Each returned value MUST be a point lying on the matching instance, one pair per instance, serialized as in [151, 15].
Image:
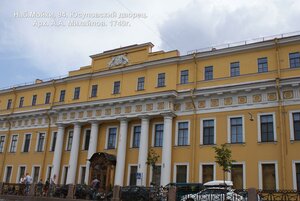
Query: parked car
[215, 191]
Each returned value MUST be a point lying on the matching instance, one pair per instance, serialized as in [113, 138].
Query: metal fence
[137, 193]
[279, 195]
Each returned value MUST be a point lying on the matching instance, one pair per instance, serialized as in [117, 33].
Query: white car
[215, 191]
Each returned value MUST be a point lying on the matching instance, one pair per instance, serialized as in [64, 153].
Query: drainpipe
[281, 111]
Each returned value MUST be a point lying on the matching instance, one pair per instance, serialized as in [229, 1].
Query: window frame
[3, 147]
[132, 135]
[154, 132]
[38, 139]
[33, 172]
[8, 105]
[291, 122]
[229, 140]
[18, 173]
[5, 173]
[294, 162]
[260, 176]
[84, 139]
[47, 98]
[233, 67]
[67, 141]
[161, 81]
[177, 132]
[290, 66]
[184, 78]
[116, 88]
[21, 102]
[129, 172]
[16, 143]
[64, 174]
[34, 100]
[259, 127]
[23, 145]
[202, 131]
[187, 169]
[262, 65]
[53, 144]
[208, 73]
[201, 164]
[47, 172]
[62, 95]
[140, 84]
[94, 90]
[151, 172]
[80, 174]
[76, 93]
[107, 135]
[243, 163]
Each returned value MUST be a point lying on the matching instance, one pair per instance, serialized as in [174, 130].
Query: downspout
[194, 143]
[48, 129]
[9, 132]
[281, 111]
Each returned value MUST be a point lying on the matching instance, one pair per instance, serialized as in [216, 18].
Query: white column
[143, 151]
[92, 148]
[121, 153]
[57, 152]
[166, 151]
[74, 155]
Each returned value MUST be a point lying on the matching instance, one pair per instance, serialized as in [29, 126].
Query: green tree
[152, 158]
[223, 158]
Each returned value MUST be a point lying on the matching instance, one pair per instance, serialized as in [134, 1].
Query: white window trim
[79, 174]
[63, 175]
[18, 173]
[52, 136]
[11, 143]
[37, 141]
[244, 172]
[229, 128]
[187, 169]
[23, 145]
[32, 172]
[46, 97]
[5, 172]
[201, 168]
[137, 84]
[131, 134]
[128, 172]
[47, 171]
[201, 129]
[107, 133]
[4, 143]
[113, 88]
[84, 135]
[294, 162]
[292, 134]
[260, 182]
[153, 132]
[259, 125]
[67, 140]
[151, 170]
[177, 131]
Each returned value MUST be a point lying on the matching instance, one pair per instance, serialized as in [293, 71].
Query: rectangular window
[294, 59]
[112, 135]
[82, 176]
[66, 169]
[236, 130]
[181, 173]
[76, 93]
[161, 80]
[13, 144]
[208, 132]
[27, 143]
[141, 83]
[207, 173]
[268, 177]
[34, 97]
[2, 141]
[296, 125]
[234, 69]
[47, 99]
[53, 143]
[132, 179]
[237, 176]
[87, 140]
[41, 140]
[156, 174]
[94, 90]
[9, 101]
[262, 64]
[158, 135]
[183, 133]
[267, 128]
[21, 172]
[8, 174]
[49, 172]
[184, 77]
[209, 74]
[21, 103]
[70, 140]
[36, 173]
[62, 95]
[136, 136]
[117, 85]
[298, 176]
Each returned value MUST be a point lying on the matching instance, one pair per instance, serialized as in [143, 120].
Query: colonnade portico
[121, 150]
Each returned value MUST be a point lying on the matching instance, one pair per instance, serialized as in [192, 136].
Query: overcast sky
[56, 38]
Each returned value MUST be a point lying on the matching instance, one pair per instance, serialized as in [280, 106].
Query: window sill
[271, 142]
[236, 143]
[115, 93]
[181, 146]
[75, 99]
[294, 141]
[110, 148]
[93, 96]
[156, 146]
[137, 90]
[160, 86]
[134, 147]
[207, 145]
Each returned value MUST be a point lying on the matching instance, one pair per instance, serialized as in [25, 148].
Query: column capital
[146, 117]
[95, 122]
[168, 115]
[123, 119]
[62, 125]
[78, 124]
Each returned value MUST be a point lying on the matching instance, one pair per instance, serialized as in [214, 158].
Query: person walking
[28, 182]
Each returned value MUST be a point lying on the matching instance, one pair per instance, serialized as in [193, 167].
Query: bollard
[116, 193]
[252, 194]
[172, 193]
[71, 192]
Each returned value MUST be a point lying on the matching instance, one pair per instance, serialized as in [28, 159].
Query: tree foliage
[152, 158]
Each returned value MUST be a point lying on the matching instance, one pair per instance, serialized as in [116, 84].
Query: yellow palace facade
[130, 100]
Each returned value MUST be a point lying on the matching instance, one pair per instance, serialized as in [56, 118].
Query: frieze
[288, 94]
[138, 108]
[272, 96]
[256, 98]
[128, 109]
[214, 102]
[202, 104]
[160, 105]
[228, 101]
[118, 110]
[242, 99]
[149, 107]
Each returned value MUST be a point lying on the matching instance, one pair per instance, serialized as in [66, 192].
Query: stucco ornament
[118, 60]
